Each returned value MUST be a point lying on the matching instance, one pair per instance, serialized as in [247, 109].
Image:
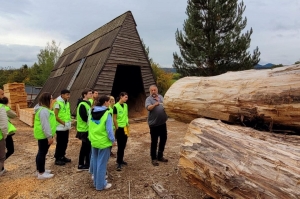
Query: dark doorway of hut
[128, 78]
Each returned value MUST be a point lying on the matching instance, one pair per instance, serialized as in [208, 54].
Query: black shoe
[59, 162]
[162, 159]
[82, 168]
[64, 159]
[124, 163]
[119, 167]
[155, 163]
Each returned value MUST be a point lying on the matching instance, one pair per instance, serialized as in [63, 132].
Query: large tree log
[239, 162]
[271, 96]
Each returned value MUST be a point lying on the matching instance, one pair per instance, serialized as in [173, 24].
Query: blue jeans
[99, 160]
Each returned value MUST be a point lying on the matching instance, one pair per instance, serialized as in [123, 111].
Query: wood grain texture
[272, 96]
[239, 162]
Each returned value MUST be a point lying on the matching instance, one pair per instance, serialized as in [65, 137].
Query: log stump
[270, 96]
[228, 161]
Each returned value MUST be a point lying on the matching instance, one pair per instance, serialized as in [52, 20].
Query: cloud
[26, 26]
[17, 55]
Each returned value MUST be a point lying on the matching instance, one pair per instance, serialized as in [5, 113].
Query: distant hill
[257, 66]
[169, 70]
[266, 66]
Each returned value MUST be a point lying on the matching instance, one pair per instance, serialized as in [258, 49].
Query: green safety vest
[11, 127]
[98, 134]
[38, 130]
[1, 134]
[64, 112]
[92, 101]
[122, 114]
[81, 125]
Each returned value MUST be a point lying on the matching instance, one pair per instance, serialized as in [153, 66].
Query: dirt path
[133, 182]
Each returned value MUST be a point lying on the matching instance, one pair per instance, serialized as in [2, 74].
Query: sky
[27, 25]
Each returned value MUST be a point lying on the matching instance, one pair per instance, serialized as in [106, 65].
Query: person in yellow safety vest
[102, 138]
[63, 125]
[95, 96]
[43, 131]
[121, 124]
[82, 127]
[11, 128]
[3, 133]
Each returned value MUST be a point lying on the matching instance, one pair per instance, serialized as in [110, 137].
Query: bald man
[3, 133]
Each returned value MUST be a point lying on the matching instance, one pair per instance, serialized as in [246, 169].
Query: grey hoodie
[44, 118]
[3, 122]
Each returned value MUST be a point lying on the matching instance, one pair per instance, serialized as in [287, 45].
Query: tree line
[38, 73]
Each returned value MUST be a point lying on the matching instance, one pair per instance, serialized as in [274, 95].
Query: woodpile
[268, 96]
[239, 162]
[26, 115]
[229, 161]
[15, 92]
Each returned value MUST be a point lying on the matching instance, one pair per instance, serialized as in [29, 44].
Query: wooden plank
[27, 116]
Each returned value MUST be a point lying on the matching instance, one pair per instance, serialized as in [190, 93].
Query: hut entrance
[128, 79]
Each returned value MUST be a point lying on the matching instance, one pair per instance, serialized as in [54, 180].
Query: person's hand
[115, 143]
[50, 141]
[68, 125]
[156, 103]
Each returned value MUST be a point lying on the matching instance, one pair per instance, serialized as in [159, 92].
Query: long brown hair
[44, 99]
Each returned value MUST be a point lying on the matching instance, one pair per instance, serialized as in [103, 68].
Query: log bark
[228, 161]
[270, 96]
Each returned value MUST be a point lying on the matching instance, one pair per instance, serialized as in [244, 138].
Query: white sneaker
[108, 185]
[2, 172]
[46, 171]
[45, 176]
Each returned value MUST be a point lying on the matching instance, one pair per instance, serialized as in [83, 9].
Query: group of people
[100, 124]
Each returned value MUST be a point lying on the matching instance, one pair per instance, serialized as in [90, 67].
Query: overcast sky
[27, 25]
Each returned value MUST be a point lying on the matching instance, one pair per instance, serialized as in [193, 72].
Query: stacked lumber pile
[15, 92]
[230, 161]
[26, 115]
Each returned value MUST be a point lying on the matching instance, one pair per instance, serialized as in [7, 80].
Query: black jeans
[85, 153]
[10, 149]
[41, 155]
[121, 142]
[161, 132]
[62, 139]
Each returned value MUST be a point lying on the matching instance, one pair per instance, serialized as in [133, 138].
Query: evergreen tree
[212, 41]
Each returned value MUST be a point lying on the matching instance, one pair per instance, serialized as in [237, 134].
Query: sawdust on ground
[134, 181]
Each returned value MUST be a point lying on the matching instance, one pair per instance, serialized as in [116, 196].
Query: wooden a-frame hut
[109, 60]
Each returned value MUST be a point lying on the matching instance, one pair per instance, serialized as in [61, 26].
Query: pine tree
[212, 42]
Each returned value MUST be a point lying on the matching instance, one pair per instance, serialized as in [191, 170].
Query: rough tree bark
[228, 161]
[270, 96]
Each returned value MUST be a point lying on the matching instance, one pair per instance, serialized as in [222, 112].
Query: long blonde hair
[111, 98]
